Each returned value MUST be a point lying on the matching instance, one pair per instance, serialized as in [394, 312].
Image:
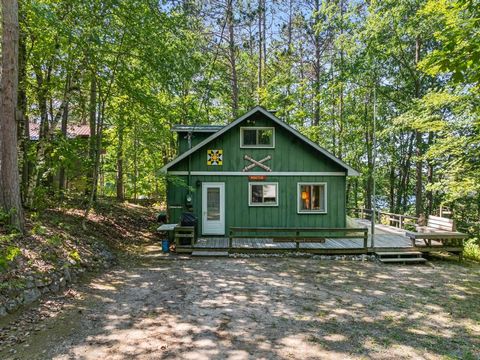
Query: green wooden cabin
[255, 172]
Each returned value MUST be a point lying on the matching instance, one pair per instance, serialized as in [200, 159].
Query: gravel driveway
[263, 308]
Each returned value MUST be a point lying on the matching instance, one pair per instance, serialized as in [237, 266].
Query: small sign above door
[257, 177]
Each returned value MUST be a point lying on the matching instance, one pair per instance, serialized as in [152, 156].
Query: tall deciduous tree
[10, 200]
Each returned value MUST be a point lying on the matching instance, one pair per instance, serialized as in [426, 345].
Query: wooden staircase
[400, 257]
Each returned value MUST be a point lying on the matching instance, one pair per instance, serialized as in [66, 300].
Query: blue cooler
[165, 245]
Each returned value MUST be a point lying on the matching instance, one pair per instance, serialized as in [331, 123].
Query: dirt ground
[262, 308]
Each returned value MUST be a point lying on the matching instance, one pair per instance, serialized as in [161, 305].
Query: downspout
[189, 139]
[188, 199]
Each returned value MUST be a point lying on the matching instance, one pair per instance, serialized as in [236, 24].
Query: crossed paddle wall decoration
[259, 163]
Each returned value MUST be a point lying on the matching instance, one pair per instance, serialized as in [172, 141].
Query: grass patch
[18, 284]
[39, 229]
[55, 240]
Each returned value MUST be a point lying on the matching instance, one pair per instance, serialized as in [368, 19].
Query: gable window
[312, 198]
[257, 137]
[262, 194]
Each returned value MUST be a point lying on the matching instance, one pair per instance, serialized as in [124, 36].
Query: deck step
[400, 257]
[210, 253]
[403, 260]
[397, 253]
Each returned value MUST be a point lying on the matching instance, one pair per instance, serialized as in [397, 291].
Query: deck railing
[298, 234]
[396, 220]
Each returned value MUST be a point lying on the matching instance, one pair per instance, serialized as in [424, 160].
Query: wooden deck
[386, 238]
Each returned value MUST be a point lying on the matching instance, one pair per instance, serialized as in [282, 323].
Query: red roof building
[73, 131]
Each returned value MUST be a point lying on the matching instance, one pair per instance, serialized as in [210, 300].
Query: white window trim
[299, 196]
[262, 204]
[242, 146]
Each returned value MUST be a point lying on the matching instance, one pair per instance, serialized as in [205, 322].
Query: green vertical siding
[289, 155]
[239, 213]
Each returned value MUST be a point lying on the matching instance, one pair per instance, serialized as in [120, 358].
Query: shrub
[74, 255]
[472, 249]
[7, 255]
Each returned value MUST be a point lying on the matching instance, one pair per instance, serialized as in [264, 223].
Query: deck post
[400, 222]
[230, 240]
[297, 234]
[365, 239]
[372, 230]
[460, 254]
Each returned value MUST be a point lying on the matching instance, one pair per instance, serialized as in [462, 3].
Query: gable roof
[350, 171]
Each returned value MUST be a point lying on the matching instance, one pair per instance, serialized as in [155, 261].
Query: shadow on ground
[273, 308]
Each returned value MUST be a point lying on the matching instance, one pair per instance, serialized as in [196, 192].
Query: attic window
[257, 137]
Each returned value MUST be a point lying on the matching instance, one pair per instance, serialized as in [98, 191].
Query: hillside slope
[56, 249]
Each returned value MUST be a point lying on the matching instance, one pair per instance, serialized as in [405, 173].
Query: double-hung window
[312, 198]
[257, 137]
[262, 194]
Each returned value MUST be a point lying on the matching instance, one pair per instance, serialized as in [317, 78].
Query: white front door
[213, 208]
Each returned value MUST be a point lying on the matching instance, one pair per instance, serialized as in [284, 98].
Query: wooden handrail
[296, 236]
[291, 229]
[396, 220]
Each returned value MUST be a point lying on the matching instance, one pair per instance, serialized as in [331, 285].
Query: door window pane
[213, 203]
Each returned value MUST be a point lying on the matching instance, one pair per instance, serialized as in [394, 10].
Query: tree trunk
[42, 101]
[264, 40]
[316, 85]
[419, 145]
[287, 101]
[392, 187]
[430, 199]
[369, 144]
[23, 125]
[93, 132]
[135, 163]
[403, 188]
[61, 174]
[260, 50]
[119, 178]
[232, 55]
[341, 105]
[10, 199]
[97, 149]
[42, 147]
